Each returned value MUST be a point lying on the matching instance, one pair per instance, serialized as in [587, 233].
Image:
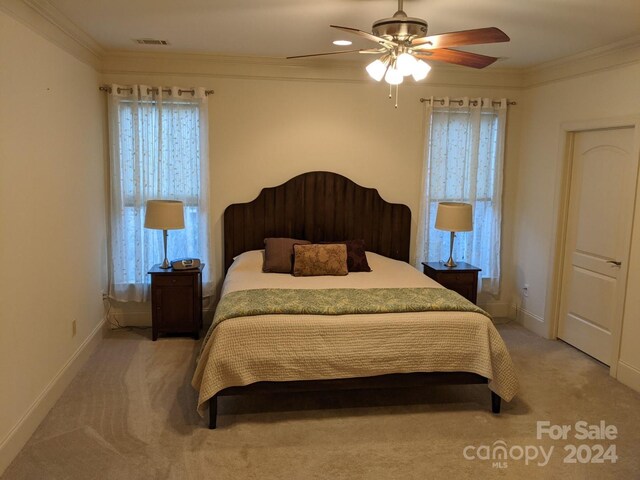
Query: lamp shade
[454, 217]
[164, 215]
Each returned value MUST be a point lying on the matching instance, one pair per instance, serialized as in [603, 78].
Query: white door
[601, 199]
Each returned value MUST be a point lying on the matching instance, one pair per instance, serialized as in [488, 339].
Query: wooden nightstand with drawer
[463, 278]
[176, 301]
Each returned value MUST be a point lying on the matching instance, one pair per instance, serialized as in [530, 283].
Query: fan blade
[457, 57]
[368, 36]
[465, 37]
[330, 53]
[378, 51]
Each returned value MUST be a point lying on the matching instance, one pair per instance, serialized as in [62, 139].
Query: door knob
[613, 262]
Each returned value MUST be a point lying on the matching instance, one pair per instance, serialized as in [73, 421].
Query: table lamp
[454, 217]
[164, 215]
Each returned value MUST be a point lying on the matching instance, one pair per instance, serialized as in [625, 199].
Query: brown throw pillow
[278, 254]
[317, 259]
[356, 255]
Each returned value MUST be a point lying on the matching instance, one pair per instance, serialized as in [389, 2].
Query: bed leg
[213, 412]
[495, 402]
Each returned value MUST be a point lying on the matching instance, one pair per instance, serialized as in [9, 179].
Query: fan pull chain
[390, 87]
[397, 88]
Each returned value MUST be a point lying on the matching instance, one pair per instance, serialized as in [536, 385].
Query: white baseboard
[143, 318]
[11, 445]
[628, 375]
[132, 319]
[532, 322]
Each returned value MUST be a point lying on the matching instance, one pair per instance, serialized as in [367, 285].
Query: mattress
[245, 350]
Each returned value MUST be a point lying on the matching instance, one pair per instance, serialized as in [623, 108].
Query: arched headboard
[318, 206]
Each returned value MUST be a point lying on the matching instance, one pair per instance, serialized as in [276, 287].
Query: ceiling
[540, 30]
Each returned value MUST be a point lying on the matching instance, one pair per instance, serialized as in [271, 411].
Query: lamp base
[165, 263]
[450, 263]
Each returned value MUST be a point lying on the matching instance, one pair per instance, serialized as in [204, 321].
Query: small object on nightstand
[463, 278]
[176, 301]
[185, 263]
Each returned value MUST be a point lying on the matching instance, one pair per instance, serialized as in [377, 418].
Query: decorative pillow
[320, 259]
[356, 256]
[278, 254]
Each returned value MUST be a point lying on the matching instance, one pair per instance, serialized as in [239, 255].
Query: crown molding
[46, 20]
[272, 68]
[43, 17]
[608, 57]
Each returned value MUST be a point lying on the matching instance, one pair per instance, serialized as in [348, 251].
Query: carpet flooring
[130, 414]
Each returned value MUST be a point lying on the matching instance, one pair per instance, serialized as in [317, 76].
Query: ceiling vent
[150, 41]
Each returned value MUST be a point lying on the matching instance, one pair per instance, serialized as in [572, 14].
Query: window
[158, 150]
[463, 163]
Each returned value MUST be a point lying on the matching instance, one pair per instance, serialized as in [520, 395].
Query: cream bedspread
[245, 350]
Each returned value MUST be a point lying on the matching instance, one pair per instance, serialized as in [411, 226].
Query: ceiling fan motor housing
[400, 28]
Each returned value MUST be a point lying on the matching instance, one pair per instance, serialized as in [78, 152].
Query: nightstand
[463, 278]
[176, 301]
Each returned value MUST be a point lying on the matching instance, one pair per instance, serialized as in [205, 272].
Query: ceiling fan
[403, 44]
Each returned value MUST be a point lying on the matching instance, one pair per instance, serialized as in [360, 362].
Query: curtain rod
[107, 88]
[460, 101]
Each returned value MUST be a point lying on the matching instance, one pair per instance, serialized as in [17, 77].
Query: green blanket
[340, 301]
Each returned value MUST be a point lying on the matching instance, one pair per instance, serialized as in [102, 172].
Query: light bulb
[406, 63]
[393, 76]
[376, 70]
[420, 70]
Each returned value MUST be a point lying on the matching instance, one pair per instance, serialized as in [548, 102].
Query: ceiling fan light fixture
[406, 64]
[420, 70]
[377, 69]
[393, 76]
[402, 41]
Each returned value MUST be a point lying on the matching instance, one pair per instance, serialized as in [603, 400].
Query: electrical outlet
[73, 327]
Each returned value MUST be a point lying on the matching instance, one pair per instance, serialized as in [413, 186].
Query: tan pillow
[317, 259]
[278, 254]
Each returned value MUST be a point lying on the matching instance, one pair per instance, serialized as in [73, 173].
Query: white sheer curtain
[158, 150]
[463, 162]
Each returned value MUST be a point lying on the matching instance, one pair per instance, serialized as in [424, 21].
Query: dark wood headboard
[318, 206]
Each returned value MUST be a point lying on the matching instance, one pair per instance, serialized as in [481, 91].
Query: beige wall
[264, 131]
[52, 233]
[607, 94]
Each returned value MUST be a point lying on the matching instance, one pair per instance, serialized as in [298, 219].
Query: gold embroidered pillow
[315, 259]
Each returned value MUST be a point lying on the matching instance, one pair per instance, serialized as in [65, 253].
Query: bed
[272, 348]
